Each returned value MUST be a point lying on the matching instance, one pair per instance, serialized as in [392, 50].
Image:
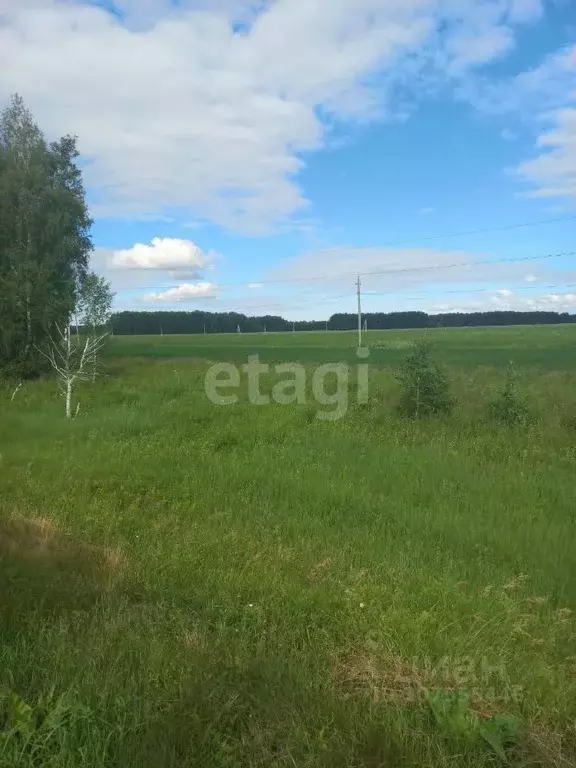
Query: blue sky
[255, 156]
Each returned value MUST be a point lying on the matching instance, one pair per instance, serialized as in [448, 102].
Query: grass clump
[425, 386]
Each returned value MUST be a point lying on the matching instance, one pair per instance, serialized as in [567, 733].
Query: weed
[42, 732]
[453, 716]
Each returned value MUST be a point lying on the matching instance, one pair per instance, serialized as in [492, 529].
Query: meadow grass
[547, 347]
[183, 584]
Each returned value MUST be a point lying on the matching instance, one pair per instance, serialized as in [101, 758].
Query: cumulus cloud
[166, 253]
[185, 292]
[553, 172]
[208, 107]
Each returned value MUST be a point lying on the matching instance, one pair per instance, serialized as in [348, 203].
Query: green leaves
[453, 716]
[20, 715]
[451, 711]
[425, 385]
[44, 236]
[32, 734]
[95, 301]
[509, 406]
[499, 731]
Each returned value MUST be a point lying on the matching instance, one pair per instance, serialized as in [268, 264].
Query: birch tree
[44, 236]
[71, 361]
[94, 308]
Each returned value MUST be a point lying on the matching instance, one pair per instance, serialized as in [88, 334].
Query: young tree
[44, 236]
[95, 301]
[94, 307]
[425, 385]
[510, 406]
[71, 361]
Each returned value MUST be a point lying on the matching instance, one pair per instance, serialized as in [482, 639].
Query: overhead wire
[401, 270]
[390, 270]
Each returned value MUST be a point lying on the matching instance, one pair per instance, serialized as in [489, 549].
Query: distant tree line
[151, 323]
[387, 320]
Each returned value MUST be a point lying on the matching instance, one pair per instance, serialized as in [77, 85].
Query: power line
[344, 276]
[469, 264]
[429, 238]
[464, 233]
[401, 270]
[472, 290]
[423, 294]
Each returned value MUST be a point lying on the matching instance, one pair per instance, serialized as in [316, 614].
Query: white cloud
[526, 10]
[553, 85]
[167, 253]
[394, 269]
[528, 94]
[469, 48]
[426, 211]
[316, 284]
[554, 170]
[183, 113]
[563, 302]
[184, 293]
[544, 95]
[552, 302]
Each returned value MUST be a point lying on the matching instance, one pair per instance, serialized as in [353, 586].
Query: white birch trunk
[94, 353]
[69, 399]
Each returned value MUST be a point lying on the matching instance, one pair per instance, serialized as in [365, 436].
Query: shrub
[425, 386]
[509, 406]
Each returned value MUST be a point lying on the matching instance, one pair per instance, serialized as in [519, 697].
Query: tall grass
[186, 584]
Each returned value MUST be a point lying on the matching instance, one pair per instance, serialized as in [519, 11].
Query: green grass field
[539, 346]
[186, 584]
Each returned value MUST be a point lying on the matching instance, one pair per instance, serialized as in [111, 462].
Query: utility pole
[358, 287]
